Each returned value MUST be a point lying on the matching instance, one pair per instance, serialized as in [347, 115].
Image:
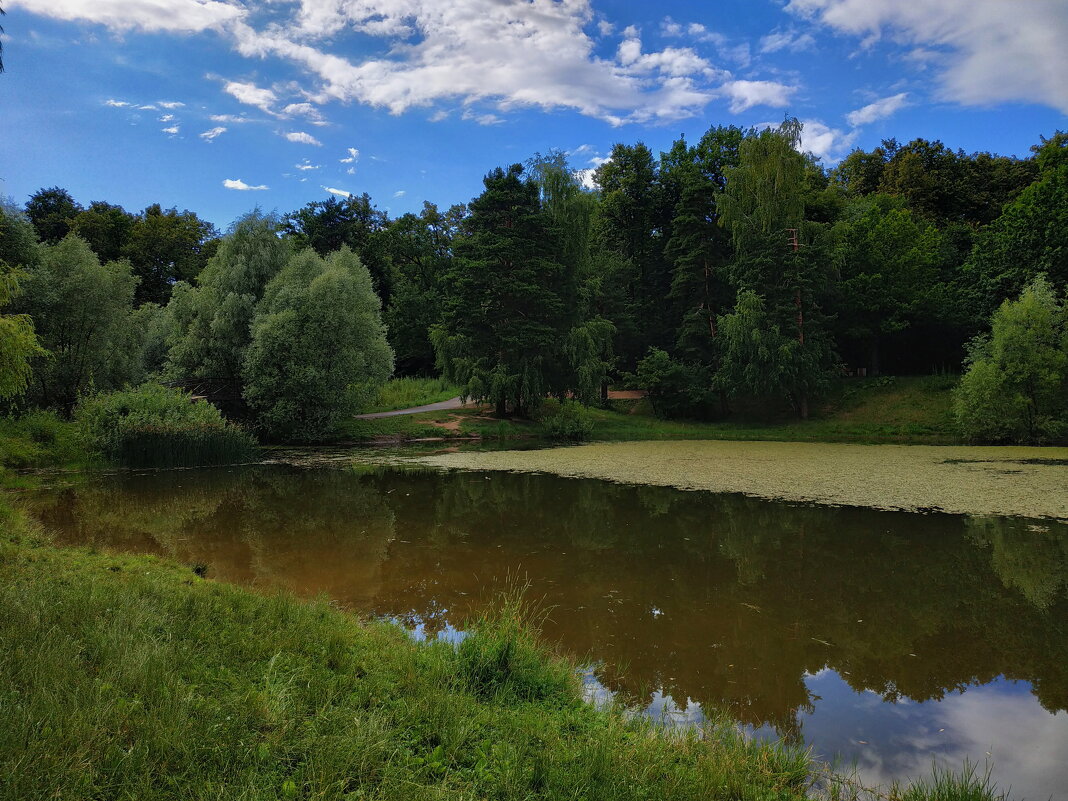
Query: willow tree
[318, 348]
[210, 323]
[779, 259]
[18, 342]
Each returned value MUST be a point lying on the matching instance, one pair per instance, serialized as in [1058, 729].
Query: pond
[885, 639]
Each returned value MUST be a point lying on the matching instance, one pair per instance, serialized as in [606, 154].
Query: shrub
[1016, 385]
[677, 389]
[153, 426]
[38, 439]
[569, 421]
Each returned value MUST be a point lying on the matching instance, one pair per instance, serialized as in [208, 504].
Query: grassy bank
[915, 410]
[405, 393]
[130, 677]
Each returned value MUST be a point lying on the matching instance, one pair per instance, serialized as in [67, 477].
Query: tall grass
[130, 677]
[39, 439]
[406, 393]
[156, 427]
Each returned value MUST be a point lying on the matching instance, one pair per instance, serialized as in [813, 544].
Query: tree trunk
[802, 405]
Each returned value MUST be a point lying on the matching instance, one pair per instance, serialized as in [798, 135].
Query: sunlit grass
[406, 393]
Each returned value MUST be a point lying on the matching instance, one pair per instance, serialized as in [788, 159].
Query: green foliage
[81, 310]
[18, 342]
[506, 315]
[760, 359]
[52, 211]
[164, 247]
[407, 393]
[327, 225]
[566, 421]
[153, 426]
[318, 350]
[39, 439]
[18, 239]
[1029, 238]
[420, 249]
[1016, 385]
[677, 389]
[210, 325]
[106, 229]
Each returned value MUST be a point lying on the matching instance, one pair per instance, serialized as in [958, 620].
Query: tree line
[720, 273]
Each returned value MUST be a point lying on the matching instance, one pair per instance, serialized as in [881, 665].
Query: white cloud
[230, 118]
[352, 157]
[166, 117]
[878, 110]
[307, 165]
[251, 95]
[400, 193]
[237, 183]
[786, 40]
[746, 94]
[338, 192]
[302, 138]
[511, 54]
[307, 110]
[350, 171]
[145, 15]
[170, 104]
[991, 51]
[209, 136]
[116, 103]
[173, 130]
[148, 107]
[825, 142]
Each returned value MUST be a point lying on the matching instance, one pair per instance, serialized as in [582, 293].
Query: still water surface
[889, 640]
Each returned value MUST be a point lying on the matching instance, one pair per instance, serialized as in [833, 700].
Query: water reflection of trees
[726, 600]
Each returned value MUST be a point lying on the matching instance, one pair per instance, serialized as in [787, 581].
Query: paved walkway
[454, 403]
[451, 403]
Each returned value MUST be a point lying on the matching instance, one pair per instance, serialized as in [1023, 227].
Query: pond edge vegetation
[131, 674]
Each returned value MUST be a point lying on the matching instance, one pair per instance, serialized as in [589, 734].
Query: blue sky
[220, 105]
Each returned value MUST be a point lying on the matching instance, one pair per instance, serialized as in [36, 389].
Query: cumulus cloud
[302, 138]
[209, 136]
[987, 51]
[304, 110]
[746, 94]
[825, 142]
[146, 15]
[352, 157]
[307, 165]
[251, 95]
[170, 104]
[237, 183]
[116, 103]
[509, 54]
[878, 110]
[338, 192]
[166, 117]
[172, 130]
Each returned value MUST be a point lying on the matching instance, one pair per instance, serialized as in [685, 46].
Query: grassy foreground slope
[130, 677]
[913, 410]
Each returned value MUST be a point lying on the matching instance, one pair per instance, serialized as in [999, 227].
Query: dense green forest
[734, 272]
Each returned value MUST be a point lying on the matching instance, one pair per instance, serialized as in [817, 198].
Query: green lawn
[898, 410]
[406, 393]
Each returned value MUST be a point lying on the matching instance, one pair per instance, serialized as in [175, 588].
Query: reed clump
[154, 426]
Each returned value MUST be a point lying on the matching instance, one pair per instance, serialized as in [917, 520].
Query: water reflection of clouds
[1001, 724]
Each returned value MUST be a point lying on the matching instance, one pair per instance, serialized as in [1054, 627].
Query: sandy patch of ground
[1028, 482]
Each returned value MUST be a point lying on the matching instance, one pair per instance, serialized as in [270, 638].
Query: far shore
[1009, 481]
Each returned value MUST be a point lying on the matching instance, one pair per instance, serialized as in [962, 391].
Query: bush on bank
[154, 426]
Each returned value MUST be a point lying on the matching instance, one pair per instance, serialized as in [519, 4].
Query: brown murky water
[891, 640]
